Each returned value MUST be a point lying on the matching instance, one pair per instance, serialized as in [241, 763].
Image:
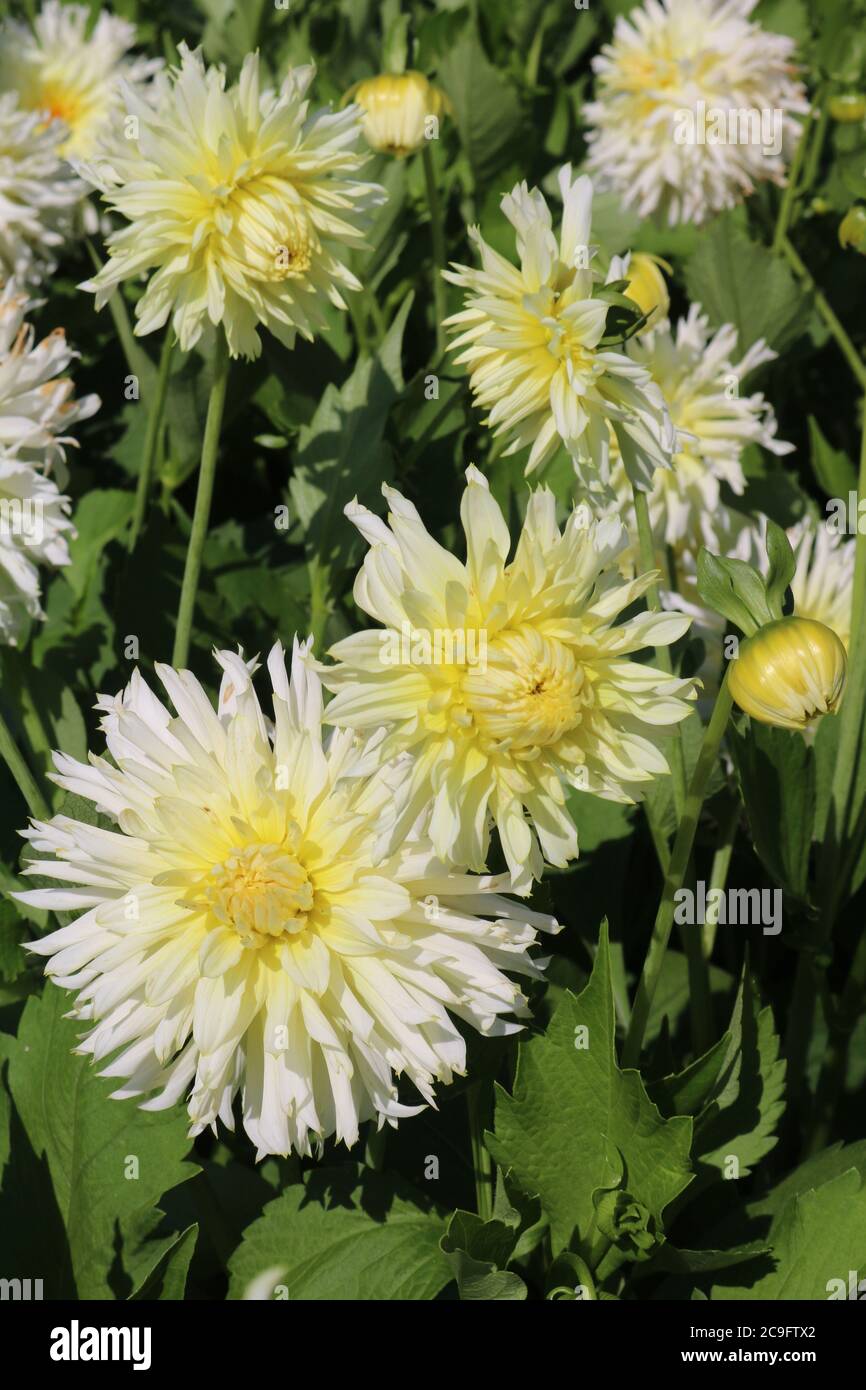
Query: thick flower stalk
[530, 337]
[505, 683]
[695, 105]
[236, 934]
[38, 193]
[65, 73]
[240, 201]
[399, 111]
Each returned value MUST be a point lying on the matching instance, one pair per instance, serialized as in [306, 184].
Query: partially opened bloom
[694, 106]
[646, 284]
[37, 407]
[398, 111]
[38, 192]
[34, 530]
[505, 682]
[240, 201]
[234, 933]
[530, 337]
[64, 69]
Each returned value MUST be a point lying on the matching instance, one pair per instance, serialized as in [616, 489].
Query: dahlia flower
[235, 934]
[38, 192]
[240, 200]
[503, 682]
[60, 70]
[36, 403]
[34, 527]
[700, 381]
[694, 105]
[396, 109]
[530, 339]
[823, 582]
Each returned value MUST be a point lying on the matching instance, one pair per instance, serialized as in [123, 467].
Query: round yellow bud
[647, 286]
[790, 673]
[399, 111]
[848, 107]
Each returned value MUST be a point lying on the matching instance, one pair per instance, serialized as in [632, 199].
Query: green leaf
[740, 1118]
[833, 469]
[346, 1233]
[576, 1121]
[776, 773]
[781, 567]
[341, 454]
[167, 1279]
[486, 106]
[478, 1252]
[721, 275]
[87, 1141]
[817, 1238]
[100, 517]
[734, 589]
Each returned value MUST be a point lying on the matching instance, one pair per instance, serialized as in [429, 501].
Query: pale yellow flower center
[532, 692]
[269, 235]
[262, 891]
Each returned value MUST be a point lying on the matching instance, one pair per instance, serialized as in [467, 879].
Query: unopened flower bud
[647, 286]
[789, 673]
[399, 111]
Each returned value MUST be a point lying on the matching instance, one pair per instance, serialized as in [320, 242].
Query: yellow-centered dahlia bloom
[789, 673]
[694, 106]
[66, 70]
[38, 193]
[530, 337]
[715, 420]
[399, 111]
[235, 936]
[503, 683]
[239, 200]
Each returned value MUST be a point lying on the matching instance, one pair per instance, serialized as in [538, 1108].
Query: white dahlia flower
[37, 408]
[701, 383]
[505, 682]
[530, 339]
[38, 193]
[240, 201]
[694, 105]
[66, 70]
[823, 583]
[237, 936]
[34, 527]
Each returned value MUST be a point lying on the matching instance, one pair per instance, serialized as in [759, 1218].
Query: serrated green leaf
[86, 1140]
[776, 772]
[486, 106]
[721, 275]
[575, 1121]
[346, 1233]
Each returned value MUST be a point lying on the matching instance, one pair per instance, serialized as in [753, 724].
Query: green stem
[663, 655]
[850, 353]
[437, 234]
[151, 439]
[676, 874]
[27, 784]
[719, 872]
[844, 811]
[478, 1102]
[786, 208]
[201, 515]
[137, 359]
[817, 144]
[374, 1148]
